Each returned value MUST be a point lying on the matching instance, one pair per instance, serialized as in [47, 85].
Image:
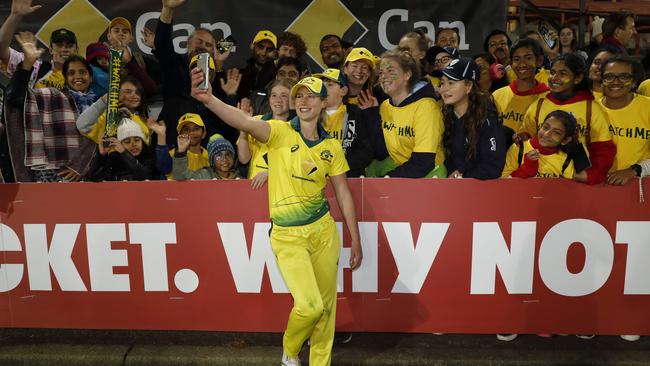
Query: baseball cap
[435, 50]
[334, 75]
[63, 34]
[97, 49]
[189, 118]
[195, 60]
[266, 35]
[120, 20]
[462, 69]
[361, 53]
[315, 85]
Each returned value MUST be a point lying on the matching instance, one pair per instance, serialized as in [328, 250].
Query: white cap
[129, 128]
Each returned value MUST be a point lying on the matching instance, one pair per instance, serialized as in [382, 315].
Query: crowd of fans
[540, 107]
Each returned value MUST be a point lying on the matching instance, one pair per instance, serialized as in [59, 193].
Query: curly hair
[293, 40]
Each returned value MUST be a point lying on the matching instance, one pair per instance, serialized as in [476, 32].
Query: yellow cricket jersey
[577, 106]
[644, 88]
[513, 104]
[259, 159]
[298, 173]
[414, 127]
[53, 79]
[333, 123]
[99, 129]
[630, 128]
[550, 166]
[194, 161]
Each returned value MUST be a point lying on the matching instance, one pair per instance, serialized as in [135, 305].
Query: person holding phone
[303, 236]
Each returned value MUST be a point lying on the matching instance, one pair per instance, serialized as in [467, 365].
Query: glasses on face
[625, 77]
[441, 60]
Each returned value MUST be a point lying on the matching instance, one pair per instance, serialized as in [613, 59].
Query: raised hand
[114, 143]
[23, 7]
[158, 127]
[232, 84]
[28, 43]
[148, 38]
[367, 100]
[183, 142]
[245, 105]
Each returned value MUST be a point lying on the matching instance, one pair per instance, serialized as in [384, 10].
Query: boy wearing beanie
[221, 154]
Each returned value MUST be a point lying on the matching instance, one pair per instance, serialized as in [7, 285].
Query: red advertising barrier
[536, 256]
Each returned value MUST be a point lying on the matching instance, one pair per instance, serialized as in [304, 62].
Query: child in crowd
[408, 130]
[254, 152]
[92, 122]
[191, 125]
[548, 154]
[513, 100]
[474, 140]
[97, 56]
[345, 123]
[570, 93]
[221, 155]
[598, 57]
[127, 157]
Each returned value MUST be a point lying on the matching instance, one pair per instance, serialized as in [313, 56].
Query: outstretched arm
[229, 114]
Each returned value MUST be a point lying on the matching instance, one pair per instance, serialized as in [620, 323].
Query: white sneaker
[290, 361]
[631, 338]
[507, 337]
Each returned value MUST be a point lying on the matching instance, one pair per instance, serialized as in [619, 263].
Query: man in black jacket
[260, 69]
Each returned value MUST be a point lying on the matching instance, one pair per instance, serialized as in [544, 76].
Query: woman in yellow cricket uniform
[407, 130]
[255, 152]
[629, 116]
[547, 154]
[304, 237]
[570, 93]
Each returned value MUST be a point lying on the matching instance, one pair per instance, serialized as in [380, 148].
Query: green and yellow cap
[334, 75]
[361, 53]
[315, 85]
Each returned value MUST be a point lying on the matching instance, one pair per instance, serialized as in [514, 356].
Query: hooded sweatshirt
[410, 133]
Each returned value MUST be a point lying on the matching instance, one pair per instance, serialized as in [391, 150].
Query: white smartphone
[204, 65]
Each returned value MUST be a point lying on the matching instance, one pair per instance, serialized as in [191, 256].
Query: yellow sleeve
[99, 128]
[280, 132]
[569, 172]
[339, 163]
[530, 125]
[428, 127]
[644, 88]
[512, 161]
[599, 124]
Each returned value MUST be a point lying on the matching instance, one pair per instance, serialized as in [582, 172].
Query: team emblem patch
[294, 147]
[326, 155]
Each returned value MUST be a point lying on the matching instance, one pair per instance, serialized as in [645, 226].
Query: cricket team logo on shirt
[327, 156]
